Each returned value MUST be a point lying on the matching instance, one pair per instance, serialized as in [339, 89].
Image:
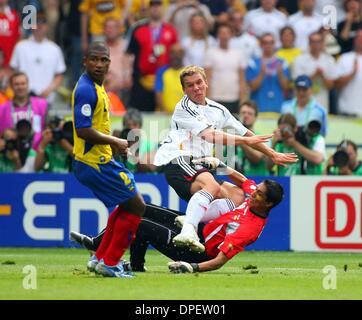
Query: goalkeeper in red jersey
[223, 232]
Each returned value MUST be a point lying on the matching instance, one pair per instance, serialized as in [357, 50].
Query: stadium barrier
[318, 213]
[39, 210]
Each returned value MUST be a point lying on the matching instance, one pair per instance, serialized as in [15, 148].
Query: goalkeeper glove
[210, 163]
[183, 267]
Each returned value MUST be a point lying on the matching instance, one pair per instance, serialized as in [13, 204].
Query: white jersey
[188, 120]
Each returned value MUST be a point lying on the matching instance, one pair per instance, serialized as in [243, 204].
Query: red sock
[108, 234]
[124, 232]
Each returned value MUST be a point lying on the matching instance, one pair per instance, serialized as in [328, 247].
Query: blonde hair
[190, 71]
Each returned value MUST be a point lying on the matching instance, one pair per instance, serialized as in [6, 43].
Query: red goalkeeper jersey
[233, 231]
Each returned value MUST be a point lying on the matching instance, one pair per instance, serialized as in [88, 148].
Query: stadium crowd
[259, 56]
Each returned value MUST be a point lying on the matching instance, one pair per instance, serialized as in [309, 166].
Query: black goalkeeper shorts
[180, 173]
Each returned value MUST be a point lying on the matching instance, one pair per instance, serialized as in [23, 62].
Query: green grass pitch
[61, 274]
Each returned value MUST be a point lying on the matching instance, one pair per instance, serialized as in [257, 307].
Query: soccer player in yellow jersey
[95, 167]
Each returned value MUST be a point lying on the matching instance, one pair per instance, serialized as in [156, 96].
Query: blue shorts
[113, 184]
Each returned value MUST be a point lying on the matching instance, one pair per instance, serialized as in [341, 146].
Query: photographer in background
[304, 107]
[141, 149]
[9, 155]
[24, 106]
[306, 141]
[24, 145]
[55, 151]
[345, 160]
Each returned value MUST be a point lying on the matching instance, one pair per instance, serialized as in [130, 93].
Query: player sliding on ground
[226, 233]
[197, 124]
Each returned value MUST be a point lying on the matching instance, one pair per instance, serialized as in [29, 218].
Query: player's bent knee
[237, 196]
[212, 188]
[136, 205]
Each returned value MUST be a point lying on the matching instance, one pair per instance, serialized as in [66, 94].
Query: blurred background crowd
[300, 60]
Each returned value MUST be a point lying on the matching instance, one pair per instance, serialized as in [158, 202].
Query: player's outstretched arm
[281, 159]
[185, 267]
[220, 137]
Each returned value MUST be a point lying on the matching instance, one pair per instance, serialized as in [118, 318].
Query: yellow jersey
[90, 109]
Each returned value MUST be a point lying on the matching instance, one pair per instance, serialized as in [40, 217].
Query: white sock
[197, 207]
[217, 208]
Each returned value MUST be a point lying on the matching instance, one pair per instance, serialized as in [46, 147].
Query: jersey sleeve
[245, 235]
[231, 122]
[85, 101]
[233, 245]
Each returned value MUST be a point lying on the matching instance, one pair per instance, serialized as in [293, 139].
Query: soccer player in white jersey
[196, 125]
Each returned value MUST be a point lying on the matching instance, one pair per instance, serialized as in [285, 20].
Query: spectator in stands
[42, 60]
[288, 51]
[349, 71]
[218, 9]
[10, 30]
[319, 66]
[142, 150]
[118, 78]
[345, 160]
[180, 12]
[198, 42]
[304, 107]
[287, 6]
[168, 87]
[93, 15]
[9, 155]
[305, 22]
[150, 44]
[5, 91]
[53, 12]
[55, 151]
[242, 40]
[74, 34]
[24, 106]
[268, 77]
[265, 19]
[237, 5]
[308, 143]
[347, 28]
[248, 160]
[224, 69]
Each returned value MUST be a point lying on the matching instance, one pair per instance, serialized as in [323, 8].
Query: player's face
[258, 198]
[195, 87]
[97, 64]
